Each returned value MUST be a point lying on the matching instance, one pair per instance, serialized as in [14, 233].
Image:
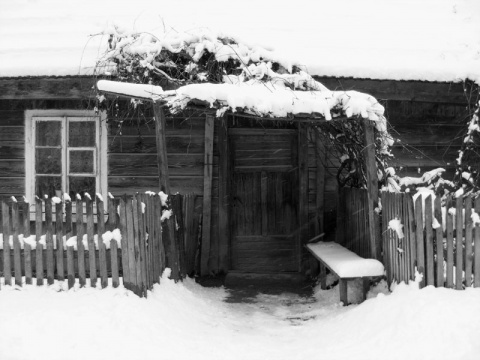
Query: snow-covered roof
[435, 40]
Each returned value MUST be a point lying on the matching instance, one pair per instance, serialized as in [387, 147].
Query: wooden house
[268, 189]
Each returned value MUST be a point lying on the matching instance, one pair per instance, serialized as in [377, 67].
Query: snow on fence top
[435, 40]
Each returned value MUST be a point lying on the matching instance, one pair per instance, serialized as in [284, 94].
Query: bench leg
[366, 288]
[323, 277]
[343, 291]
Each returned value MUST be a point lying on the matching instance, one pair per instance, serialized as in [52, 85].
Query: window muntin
[64, 153]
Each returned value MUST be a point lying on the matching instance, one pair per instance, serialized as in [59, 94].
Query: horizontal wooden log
[12, 149]
[47, 88]
[12, 186]
[439, 156]
[15, 133]
[146, 126]
[12, 118]
[436, 92]
[146, 164]
[12, 168]
[440, 135]
[119, 185]
[188, 144]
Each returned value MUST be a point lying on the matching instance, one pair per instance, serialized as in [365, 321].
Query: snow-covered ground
[187, 321]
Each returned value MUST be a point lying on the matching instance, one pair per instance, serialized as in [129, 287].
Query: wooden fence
[70, 242]
[441, 242]
[352, 221]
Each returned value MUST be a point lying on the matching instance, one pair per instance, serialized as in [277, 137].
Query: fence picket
[90, 241]
[429, 258]
[124, 231]
[468, 241]
[177, 201]
[7, 272]
[131, 229]
[140, 244]
[112, 225]
[420, 240]
[80, 247]
[38, 234]
[27, 249]
[160, 263]
[459, 244]
[59, 236]
[102, 251]
[70, 250]
[49, 241]
[476, 260]
[17, 260]
[449, 243]
[440, 281]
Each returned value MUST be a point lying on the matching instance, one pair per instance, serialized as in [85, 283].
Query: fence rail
[441, 242]
[128, 241]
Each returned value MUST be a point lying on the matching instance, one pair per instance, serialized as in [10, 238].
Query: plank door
[264, 210]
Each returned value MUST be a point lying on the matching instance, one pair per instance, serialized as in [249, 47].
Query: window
[65, 153]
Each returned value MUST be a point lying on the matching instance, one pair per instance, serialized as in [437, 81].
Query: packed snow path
[185, 321]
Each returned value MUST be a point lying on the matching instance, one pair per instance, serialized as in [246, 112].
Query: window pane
[48, 161]
[81, 185]
[81, 133]
[46, 185]
[48, 133]
[81, 161]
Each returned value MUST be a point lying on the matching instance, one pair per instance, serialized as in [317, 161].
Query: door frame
[225, 176]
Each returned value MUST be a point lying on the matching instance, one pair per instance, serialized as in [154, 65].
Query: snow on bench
[346, 265]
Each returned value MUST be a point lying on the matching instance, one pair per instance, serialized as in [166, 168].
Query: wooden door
[264, 211]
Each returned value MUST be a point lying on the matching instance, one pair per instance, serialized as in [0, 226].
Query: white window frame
[100, 151]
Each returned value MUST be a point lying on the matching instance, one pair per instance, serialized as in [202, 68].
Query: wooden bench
[346, 265]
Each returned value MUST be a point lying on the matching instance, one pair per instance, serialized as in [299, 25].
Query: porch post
[372, 187]
[163, 177]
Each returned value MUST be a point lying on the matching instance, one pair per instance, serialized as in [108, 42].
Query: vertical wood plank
[162, 161]
[131, 251]
[27, 248]
[70, 249]
[419, 239]
[440, 281]
[372, 186]
[320, 183]
[302, 194]
[7, 272]
[80, 247]
[159, 250]
[90, 241]
[17, 262]
[459, 244]
[429, 263]
[468, 241]
[138, 220]
[38, 234]
[102, 250]
[151, 240]
[112, 225]
[476, 260]
[125, 234]
[263, 195]
[177, 201]
[207, 196]
[386, 249]
[49, 241]
[223, 197]
[59, 237]
[449, 243]
[190, 238]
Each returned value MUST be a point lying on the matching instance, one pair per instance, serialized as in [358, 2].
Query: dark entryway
[264, 209]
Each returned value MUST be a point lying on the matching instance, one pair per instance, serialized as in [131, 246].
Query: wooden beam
[207, 195]
[303, 192]
[80, 87]
[320, 184]
[162, 161]
[223, 196]
[427, 91]
[372, 186]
